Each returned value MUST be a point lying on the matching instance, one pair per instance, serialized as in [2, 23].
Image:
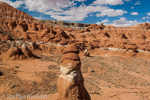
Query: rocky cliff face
[64, 24]
[8, 12]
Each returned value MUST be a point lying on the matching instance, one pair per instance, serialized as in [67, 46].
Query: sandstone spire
[70, 82]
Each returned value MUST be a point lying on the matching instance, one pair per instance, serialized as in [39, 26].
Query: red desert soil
[106, 77]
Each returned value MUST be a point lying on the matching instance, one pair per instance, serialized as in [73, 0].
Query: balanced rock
[70, 82]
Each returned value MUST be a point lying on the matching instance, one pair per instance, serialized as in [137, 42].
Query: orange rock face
[70, 82]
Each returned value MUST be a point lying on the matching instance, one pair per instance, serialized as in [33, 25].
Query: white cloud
[147, 21]
[111, 13]
[134, 13]
[132, 7]
[103, 21]
[137, 3]
[63, 9]
[45, 5]
[146, 17]
[68, 11]
[76, 13]
[109, 2]
[148, 13]
[123, 22]
[80, 0]
[39, 18]
[127, 0]
[91, 15]
[15, 4]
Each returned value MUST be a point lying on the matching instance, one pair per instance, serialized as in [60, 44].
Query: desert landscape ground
[39, 61]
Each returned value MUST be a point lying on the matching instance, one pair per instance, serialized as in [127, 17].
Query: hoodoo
[70, 82]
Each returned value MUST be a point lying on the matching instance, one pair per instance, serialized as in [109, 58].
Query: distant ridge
[64, 24]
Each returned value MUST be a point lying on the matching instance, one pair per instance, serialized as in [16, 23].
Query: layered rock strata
[8, 12]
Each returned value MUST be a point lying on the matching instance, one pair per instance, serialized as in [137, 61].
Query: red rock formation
[33, 31]
[70, 82]
[15, 53]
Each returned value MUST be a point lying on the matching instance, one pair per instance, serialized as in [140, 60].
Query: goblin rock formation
[70, 82]
[15, 53]
[33, 31]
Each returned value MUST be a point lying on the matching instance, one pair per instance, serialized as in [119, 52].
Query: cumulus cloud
[127, 0]
[45, 5]
[68, 11]
[134, 13]
[76, 13]
[111, 13]
[109, 2]
[15, 4]
[103, 21]
[146, 17]
[80, 0]
[39, 18]
[123, 22]
[57, 9]
[148, 14]
[91, 15]
[137, 3]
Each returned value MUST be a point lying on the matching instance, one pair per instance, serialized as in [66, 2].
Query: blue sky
[115, 12]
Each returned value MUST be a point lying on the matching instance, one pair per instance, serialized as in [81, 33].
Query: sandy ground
[106, 78]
